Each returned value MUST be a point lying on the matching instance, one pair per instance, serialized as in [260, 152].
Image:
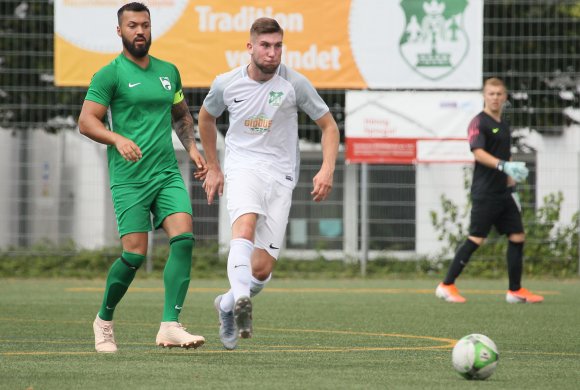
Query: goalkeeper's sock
[240, 267]
[515, 262]
[258, 285]
[460, 260]
[120, 276]
[176, 275]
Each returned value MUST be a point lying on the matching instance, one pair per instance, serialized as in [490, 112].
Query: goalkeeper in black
[495, 201]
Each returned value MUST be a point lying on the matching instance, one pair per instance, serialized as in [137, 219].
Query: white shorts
[250, 192]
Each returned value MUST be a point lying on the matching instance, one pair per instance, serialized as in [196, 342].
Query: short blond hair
[494, 82]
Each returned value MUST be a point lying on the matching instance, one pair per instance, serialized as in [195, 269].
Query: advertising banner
[356, 44]
[409, 127]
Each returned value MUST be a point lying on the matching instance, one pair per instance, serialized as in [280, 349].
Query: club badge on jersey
[165, 82]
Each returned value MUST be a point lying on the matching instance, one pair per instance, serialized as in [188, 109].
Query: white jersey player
[261, 165]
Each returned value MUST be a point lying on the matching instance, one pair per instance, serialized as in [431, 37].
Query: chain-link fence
[531, 44]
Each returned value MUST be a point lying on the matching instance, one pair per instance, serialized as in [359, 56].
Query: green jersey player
[141, 96]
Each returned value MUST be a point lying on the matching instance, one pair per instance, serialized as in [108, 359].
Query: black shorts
[501, 212]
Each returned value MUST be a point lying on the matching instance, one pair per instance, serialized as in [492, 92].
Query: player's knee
[479, 241]
[262, 264]
[132, 260]
[517, 238]
[135, 243]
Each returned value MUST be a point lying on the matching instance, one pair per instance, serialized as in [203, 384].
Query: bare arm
[183, 125]
[214, 180]
[91, 125]
[323, 180]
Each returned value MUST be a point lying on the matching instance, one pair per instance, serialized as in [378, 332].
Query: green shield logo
[434, 41]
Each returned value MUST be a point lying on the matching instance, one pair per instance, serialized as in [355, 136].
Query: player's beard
[137, 52]
[266, 69]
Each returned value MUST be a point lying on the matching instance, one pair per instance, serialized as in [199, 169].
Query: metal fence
[531, 44]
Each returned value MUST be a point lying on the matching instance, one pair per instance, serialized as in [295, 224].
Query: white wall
[93, 219]
[44, 177]
[558, 169]
[432, 181]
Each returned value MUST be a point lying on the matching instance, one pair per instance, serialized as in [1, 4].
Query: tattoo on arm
[183, 124]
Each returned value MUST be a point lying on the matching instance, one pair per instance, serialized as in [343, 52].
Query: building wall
[433, 181]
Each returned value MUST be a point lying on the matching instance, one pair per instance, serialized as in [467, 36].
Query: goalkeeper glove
[516, 169]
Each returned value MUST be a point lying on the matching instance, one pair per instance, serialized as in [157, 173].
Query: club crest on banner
[434, 41]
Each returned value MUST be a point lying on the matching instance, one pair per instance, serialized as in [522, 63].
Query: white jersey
[263, 120]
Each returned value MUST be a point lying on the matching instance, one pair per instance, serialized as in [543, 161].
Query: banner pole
[364, 240]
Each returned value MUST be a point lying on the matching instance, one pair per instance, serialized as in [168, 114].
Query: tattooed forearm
[183, 124]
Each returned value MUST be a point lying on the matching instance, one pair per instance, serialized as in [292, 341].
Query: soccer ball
[475, 356]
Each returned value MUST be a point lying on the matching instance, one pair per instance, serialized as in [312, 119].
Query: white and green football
[475, 356]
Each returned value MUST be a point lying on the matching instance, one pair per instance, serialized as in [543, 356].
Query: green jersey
[139, 105]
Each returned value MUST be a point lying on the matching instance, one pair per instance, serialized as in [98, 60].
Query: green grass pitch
[316, 334]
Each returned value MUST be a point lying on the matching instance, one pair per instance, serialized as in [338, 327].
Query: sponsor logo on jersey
[258, 124]
[131, 85]
[165, 82]
[275, 98]
[495, 130]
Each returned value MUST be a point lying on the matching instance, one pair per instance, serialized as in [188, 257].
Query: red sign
[381, 150]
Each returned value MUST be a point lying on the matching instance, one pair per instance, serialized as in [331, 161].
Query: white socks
[227, 302]
[240, 274]
[257, 285]
[239, 269]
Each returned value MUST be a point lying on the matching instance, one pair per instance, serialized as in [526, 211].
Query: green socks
[120, 276]
[176, 275]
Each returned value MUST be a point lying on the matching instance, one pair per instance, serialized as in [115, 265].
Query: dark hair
[265, 26]
[135, 7]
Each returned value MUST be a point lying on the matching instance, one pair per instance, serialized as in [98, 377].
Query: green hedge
[46, 260]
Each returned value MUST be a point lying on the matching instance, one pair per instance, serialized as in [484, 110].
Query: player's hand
[128, 149]
[516, 169]
[200, 164]
[213, 182]
[322, 185]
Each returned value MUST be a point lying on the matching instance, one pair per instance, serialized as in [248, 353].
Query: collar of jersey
[125, 59]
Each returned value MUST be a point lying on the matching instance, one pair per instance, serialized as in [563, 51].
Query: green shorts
[161, 196]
